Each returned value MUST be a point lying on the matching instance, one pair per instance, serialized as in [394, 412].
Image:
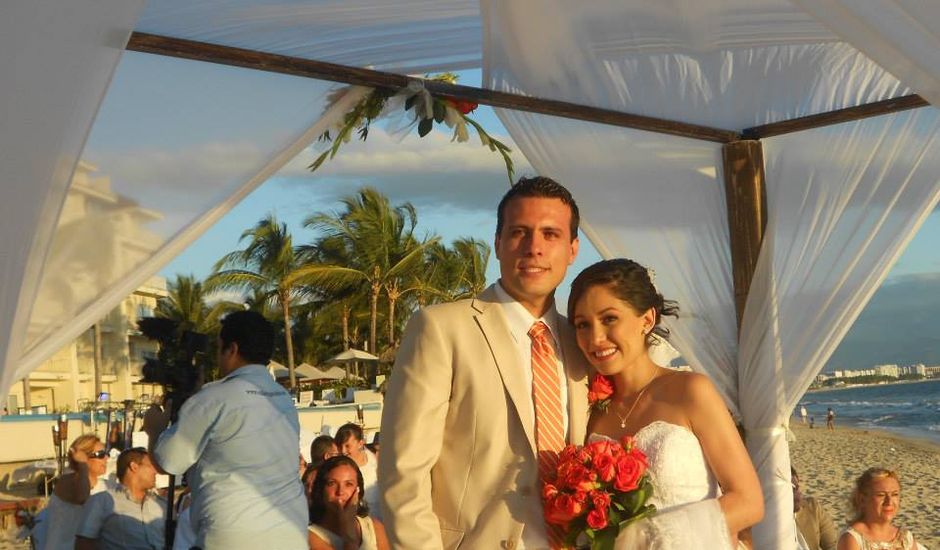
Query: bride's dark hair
[630, 282]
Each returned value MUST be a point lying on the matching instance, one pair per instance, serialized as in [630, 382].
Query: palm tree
[379, 249]
[267, 266]
[186, 304]
[457, 272]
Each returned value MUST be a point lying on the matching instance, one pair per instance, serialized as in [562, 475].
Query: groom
[485, 391]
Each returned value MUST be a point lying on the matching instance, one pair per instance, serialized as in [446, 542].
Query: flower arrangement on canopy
[428, 109]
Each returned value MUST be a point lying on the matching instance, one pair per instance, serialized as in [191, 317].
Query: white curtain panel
[56, 60]
[903, 36]
[410, 36]
[659, 200]
[723, 63]
[731, 64]
[161, 166]
[839, 216]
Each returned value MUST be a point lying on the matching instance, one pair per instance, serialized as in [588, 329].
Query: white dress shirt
[520, 320]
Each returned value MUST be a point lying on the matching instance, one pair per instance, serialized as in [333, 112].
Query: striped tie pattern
[549, 423]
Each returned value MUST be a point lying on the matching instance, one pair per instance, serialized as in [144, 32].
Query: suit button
[509, 544]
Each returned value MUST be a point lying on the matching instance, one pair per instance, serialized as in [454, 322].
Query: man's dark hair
[543, 188]
[346, 431]
[253, 334]
[128, 457]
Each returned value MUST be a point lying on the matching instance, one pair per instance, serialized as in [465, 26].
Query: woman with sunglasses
[88, 461]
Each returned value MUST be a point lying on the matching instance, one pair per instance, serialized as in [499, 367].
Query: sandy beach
[829, 461]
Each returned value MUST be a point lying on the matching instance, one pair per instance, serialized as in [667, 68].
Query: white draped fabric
[408, 36]
[838, 218]
[56, 60]
[839, 214]
[660, 199]
[902, 36]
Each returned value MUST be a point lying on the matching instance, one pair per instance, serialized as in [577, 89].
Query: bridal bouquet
[598, 490]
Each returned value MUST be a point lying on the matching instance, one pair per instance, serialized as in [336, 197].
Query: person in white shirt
[127, 516]
[351, 442]
[238, 438]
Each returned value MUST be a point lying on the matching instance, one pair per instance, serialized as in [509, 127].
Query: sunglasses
[98, 454]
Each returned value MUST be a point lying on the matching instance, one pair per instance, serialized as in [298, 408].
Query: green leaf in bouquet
[410, 102]
[604, 539]
[439, 111]
[644, 512]
[424, 127]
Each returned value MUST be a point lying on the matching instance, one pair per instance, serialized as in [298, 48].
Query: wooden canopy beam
[838, 116]
[746, 199]
[251, 59]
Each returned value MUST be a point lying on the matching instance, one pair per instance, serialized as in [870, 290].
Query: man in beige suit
[458, 467]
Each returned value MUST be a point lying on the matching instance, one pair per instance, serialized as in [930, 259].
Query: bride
[677, 418]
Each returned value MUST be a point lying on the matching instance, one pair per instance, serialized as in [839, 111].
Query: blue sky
[455, 187]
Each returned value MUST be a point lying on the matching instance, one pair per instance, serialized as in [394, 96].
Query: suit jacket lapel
[496, 331]
[576, 370]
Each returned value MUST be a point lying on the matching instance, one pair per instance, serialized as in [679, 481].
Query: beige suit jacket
[458, 465]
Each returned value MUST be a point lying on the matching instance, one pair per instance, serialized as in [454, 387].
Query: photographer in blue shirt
[238, 438]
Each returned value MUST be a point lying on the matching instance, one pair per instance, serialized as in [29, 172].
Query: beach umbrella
[351, 356]
[277, 370]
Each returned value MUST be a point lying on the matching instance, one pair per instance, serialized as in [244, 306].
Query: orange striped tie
[549, 423]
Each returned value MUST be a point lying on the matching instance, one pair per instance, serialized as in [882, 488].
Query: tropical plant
[186, 303]
[266, 266]
[379, 246]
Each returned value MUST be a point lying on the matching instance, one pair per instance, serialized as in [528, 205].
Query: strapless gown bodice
[677, 465]
[684, 493]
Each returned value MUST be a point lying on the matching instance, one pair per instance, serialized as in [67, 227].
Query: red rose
[629, 471]
[597, 519]
[627, 442]
[606, 467]
[562, 509]
[600, 499]
[605, 447]
[549, 491]
[578, 477]
[583, 456]
[568, 453]
[601, 388]
[462, 105]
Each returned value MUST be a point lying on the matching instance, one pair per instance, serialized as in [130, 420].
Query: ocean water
[910, 409]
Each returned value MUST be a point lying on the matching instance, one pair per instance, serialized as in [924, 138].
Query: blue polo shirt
[239, 435]
[118, 522]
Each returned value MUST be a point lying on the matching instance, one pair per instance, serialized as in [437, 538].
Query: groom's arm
[413, 419]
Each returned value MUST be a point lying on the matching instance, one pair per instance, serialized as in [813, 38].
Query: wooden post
[96, 328]
[747, 213]
[27, 396]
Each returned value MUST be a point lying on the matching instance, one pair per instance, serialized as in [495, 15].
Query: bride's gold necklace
[639, 394]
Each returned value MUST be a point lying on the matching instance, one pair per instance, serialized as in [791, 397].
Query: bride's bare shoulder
[687, 386]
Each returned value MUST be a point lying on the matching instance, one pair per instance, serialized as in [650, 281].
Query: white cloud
[429, 170]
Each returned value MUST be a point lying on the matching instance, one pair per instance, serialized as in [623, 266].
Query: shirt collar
[521, 320]
[253, 369]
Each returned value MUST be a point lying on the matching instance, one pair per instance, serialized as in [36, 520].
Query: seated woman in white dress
[677, 418]
[339, 516]
[876, 501]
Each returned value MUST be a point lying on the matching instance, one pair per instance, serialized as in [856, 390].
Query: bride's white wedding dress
[685, 494]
